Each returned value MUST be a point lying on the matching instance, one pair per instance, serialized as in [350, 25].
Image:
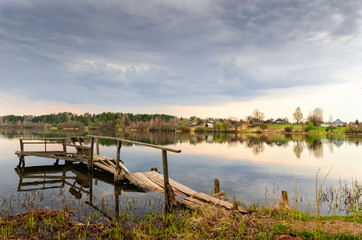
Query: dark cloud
[167, 52]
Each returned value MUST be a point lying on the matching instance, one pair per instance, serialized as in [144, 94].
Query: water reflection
[76, 179]
[256, 142]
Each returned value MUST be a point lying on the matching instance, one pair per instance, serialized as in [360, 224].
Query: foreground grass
[200, 223]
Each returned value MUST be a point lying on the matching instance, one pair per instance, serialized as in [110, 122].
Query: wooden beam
[138, 143]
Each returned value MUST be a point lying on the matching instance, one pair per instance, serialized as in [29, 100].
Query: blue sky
[205, 58]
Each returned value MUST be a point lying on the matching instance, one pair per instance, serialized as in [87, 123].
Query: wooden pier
[77, 151]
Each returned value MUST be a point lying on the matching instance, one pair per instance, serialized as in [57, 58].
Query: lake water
[252, 168]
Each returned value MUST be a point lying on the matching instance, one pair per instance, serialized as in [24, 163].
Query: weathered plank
[148, 183]
[104, 167]
[138, 143]
[159, 181]
[178, 186]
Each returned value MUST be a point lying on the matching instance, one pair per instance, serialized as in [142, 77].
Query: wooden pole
[165, 179]
[21, 157]
[216, 186]
[285, 201]
[45, 144]
[97, 145]
[118, 173]
[90, 164]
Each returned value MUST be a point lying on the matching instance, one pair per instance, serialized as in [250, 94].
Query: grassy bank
[200, 223]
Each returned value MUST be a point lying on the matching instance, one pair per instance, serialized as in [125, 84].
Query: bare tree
[316, 117]
[298, 115]
[258, 115]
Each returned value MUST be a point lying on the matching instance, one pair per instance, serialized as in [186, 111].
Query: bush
[310, 126]
[288, 129]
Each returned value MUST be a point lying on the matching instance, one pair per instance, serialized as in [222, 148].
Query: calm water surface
[252, 168]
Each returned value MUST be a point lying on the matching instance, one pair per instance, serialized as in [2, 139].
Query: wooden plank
[148, 183]
[102, 158]
[47, 155]
[138, 143]
[195, 201]
[180, 188]
[42, 142]
[35, 139]
[134, 179]
[160, 183]
[104, 167]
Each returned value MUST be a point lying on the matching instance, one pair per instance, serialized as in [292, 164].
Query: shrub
[310, 126]
[288, 129]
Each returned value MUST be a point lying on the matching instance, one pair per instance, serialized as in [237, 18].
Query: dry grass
[201, 223]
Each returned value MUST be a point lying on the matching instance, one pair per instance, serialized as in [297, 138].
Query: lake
[251, 168]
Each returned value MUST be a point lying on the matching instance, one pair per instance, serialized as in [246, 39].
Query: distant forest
[151, 122]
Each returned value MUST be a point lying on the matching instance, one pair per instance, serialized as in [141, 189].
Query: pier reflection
[78, 179]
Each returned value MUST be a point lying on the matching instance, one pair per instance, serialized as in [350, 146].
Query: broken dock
[77, 151]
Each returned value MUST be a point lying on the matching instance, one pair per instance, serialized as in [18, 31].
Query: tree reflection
[298, 148]
[315, 146]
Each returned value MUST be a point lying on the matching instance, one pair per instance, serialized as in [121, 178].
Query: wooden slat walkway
[153, 181]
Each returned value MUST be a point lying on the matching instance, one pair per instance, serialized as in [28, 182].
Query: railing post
[165, 179]
[90, 163]
[45, 144]
[118, 173]
[21, 157]
[97, 146]
[64, 147]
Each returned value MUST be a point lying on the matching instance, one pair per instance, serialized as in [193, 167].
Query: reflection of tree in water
[298, 148]
[256, 145]
[315, 146]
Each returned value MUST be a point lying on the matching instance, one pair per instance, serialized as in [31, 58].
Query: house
[338, 123]
[279, 120]
[210, 125]
[194, 124]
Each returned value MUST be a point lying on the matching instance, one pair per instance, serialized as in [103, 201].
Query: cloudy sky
[204, 58]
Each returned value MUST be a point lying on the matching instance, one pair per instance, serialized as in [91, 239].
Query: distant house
[194, 124]
[338, 123]
[279, 120]
[210, 125]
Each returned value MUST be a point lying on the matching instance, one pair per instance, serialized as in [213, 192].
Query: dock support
[90, 163]
[64, 147]
[165, 179]
[284, 200]
[118, 174]
[21, 157]
[216, 186]
[97, 146]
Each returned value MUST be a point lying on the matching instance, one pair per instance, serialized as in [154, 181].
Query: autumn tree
[258, 115]
[316, 117]
[298, 115]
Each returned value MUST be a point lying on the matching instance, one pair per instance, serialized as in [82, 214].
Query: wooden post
[64, 148]
[118, 174]
[97, 146]
[216, 186]
[285, 201]
[45, 144]
[165, 179]
[90, 163]
[21, 157]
